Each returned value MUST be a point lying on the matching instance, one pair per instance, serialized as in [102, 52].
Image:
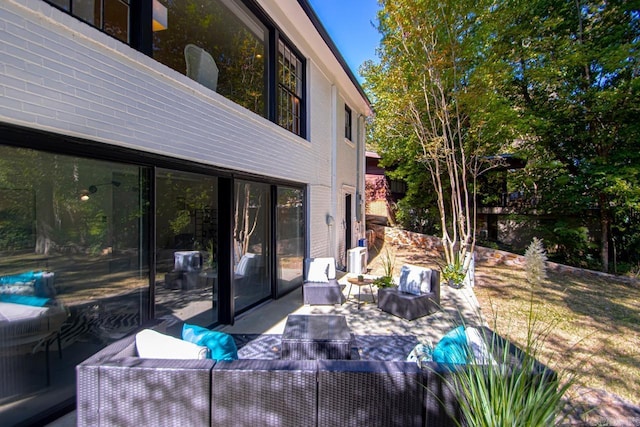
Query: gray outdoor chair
[409, 306]
[201, 67]
[321, 286]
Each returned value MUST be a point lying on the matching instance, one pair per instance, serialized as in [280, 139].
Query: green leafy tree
[556, 82]
[571, 71]
[424, 95]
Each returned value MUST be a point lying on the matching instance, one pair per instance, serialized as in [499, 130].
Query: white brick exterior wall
[61, 75]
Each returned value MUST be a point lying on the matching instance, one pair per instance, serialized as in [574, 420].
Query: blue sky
[348, 22]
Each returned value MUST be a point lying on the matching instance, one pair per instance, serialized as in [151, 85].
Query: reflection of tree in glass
[247, 212]
[60, 221]
[239, 54]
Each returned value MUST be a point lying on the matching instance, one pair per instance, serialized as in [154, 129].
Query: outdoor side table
[312, 337]
[360, 283]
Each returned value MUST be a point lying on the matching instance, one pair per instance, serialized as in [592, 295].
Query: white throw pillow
[478, 346]
[318, 272]
[425, 285]
[410, 279]
[154, 345]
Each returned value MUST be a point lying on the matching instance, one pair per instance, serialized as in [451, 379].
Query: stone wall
[484, 256]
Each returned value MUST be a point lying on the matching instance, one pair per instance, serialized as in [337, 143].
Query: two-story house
[162, 159]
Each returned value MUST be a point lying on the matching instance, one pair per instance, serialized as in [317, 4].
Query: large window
[251, 244]
[187, 246]
[74, 272]
[218, 44]
[111, 16]
[222, 44]
[290, 87]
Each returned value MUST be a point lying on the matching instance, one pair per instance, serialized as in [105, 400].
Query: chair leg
[59, 345]
[46, 361]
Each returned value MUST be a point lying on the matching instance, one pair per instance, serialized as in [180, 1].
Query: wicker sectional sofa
[117, 388]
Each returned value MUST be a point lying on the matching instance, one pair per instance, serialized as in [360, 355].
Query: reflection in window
[231, 44]
[289, 238]
[111, 16]
[72, 252]
[251, 243]
[289, 89]
[187, 241]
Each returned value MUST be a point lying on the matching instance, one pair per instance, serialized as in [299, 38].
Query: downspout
[334, 174]
[360, 174]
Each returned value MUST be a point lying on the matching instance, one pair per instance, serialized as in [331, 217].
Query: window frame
[140, 37]
[298, 95]
[348, 123]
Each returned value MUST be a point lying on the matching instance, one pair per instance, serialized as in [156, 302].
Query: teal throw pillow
[221, 345]
[452, 348]
[24, 300]
[18, 278]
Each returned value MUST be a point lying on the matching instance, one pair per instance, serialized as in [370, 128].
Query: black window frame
[298, 124]
[348, 130]
[141, 39]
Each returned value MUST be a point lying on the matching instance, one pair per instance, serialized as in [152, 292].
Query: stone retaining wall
[485, 256]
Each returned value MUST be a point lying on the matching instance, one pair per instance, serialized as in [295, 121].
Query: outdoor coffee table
[311, 337]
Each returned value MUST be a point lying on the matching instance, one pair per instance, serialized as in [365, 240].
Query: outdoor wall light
[85, 194]
[160, 20]
[330, 220]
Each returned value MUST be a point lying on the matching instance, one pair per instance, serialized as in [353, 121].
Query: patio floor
[458, 305]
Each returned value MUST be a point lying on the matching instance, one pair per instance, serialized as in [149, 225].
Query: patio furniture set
[116, 387]
[314, 383]
[417, 293]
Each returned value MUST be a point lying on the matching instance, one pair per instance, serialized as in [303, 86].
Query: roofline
[306, 6]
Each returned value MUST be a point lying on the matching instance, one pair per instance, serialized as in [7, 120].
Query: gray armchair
[409, 306]
[201, 67]
[321, 286]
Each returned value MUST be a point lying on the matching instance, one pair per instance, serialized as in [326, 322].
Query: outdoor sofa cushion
[462, 346]
[452, 347]
[151, 344]
[317, 273]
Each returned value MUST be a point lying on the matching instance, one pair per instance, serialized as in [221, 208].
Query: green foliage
[388, 261]
[571, 244]
[454, 273]
[383, 282]
[556, 83]
[508, 395]
[535, 257]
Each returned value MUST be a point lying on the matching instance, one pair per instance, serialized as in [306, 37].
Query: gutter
[311, 14]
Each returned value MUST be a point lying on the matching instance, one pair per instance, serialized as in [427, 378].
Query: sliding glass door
[251, 244]
[74, 272]
[186, 246]
[289, 238]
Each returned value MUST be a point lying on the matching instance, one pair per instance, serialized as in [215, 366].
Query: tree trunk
[604, 233]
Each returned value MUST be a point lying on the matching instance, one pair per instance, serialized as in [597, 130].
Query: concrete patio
[458, 305]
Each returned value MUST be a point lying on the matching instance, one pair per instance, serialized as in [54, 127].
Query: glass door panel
[251, 233]
[186, 246]
[289, 238]
[74, 273]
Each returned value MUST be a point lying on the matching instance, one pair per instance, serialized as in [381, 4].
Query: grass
[594, 323]
[594, 320]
